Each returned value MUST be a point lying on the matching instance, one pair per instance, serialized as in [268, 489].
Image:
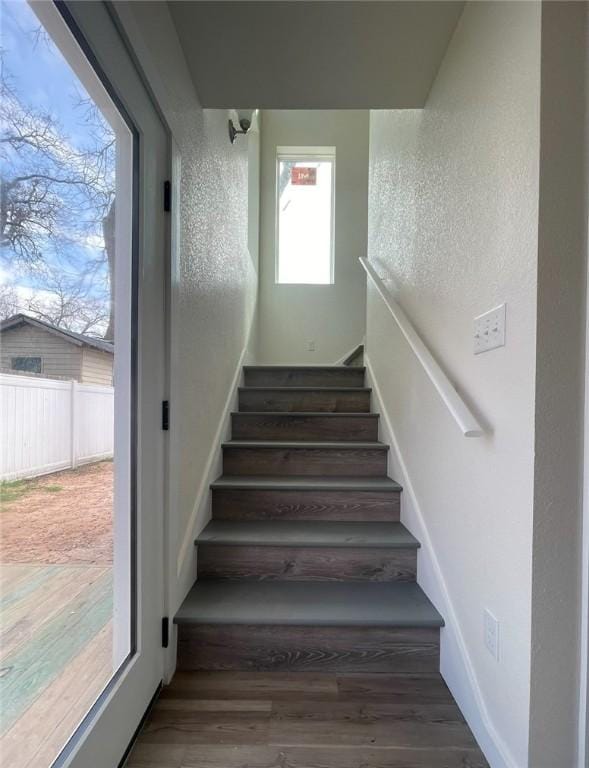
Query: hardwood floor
[302, 720]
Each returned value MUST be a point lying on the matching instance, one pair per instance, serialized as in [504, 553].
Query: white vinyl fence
[47, 425]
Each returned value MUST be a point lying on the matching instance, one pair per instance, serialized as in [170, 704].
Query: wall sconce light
[244, 124]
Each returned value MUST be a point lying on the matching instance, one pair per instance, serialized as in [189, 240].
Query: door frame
[583, 727]
[130, 686]
[583, 708]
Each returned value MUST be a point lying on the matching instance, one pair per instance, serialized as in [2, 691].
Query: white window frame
[300, 154]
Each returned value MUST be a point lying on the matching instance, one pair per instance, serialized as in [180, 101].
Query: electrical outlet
[491, 634]
[489, 330]
[310, 346]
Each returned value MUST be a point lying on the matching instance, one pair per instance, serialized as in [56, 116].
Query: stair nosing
[338, 368]
[307, 483]
[305, 389]
[307, 444]
[333, 593]
[305, 544]
[306, 414]
[410, 541]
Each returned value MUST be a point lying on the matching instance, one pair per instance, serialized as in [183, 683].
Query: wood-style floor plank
[220, 705]
[61, 706]
[304, 723]
[158, 755]
[11, 573]
[299, 720]
[77, 700]
[428, 689]
[261, 686]
[321, 757]
[184, 726]
[33, 667]
[24, 619]
[25, 584]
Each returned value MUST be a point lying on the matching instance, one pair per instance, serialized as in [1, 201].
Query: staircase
[305, 565]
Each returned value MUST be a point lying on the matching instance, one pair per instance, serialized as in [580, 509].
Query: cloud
[92, 241]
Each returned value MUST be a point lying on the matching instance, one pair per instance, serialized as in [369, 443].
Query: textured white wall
[331, 315]
[453, 207]
[214, 276]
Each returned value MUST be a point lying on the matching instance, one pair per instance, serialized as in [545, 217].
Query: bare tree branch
[8, 301]
[69, 300]
[54, 199]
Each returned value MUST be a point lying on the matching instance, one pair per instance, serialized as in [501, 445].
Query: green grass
[14, 490]
[53, 488]
[17, 489]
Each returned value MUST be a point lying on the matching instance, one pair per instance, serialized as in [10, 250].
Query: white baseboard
[456, 665]
[213, 467]
[343, 359]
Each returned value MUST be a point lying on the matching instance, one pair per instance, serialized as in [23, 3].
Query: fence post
[74, 425]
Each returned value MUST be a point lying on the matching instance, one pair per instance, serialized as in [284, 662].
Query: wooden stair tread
[305, 414]
[314, 368]
[318, 604]
[305, 483]
[346, 445]
[304, 533]
[270, 388]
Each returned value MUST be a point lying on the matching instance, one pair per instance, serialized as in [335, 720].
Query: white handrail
[469, 426]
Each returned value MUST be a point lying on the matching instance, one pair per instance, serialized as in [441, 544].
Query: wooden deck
[55, 655]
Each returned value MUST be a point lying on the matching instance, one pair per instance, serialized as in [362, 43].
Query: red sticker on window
[304, 177]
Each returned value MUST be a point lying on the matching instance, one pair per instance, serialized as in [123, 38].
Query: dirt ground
[65, 517]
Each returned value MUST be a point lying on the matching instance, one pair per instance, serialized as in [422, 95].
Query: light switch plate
[489, 330]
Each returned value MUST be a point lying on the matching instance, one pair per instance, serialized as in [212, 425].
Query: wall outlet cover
[489, 330]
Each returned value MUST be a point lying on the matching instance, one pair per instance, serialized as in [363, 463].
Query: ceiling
[310, 54]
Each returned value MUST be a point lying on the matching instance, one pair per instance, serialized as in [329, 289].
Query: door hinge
[165, 632]
[167, 196]
[165, 415]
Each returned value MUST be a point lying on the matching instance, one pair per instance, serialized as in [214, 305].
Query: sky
[42, 79]
[39, 71]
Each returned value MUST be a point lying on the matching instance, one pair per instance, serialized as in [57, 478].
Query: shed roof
[78, 339]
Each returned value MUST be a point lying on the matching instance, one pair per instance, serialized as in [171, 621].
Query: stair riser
[313, 462]
[338, 401]
[271, 648]
[305, 377]
[290, 426]
[306, 563]
[306, 505]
